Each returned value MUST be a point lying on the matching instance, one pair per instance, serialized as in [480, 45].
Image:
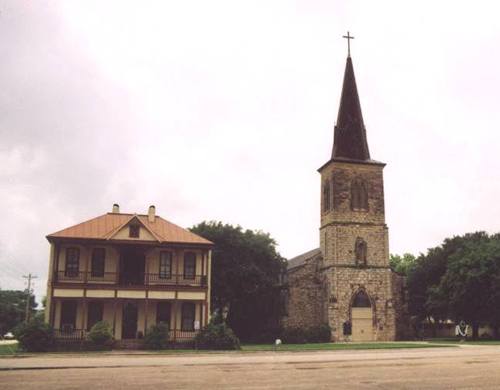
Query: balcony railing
[149, 279]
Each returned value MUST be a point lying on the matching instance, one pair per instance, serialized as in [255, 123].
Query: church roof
[350, 133]
[301, 259]
[105, 226]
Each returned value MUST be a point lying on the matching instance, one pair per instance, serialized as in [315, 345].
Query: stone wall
[400, 302]
[340, 177]
[306, 295]
[345, 282]
[323, 288]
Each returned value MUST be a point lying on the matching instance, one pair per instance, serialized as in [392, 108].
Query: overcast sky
[224, 110]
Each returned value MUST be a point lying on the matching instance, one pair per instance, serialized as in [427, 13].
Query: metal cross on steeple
[348, 37]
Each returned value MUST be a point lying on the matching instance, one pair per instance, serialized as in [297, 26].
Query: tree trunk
[475, 331]
[433, 327]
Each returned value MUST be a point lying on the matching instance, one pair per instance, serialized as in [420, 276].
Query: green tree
[459, 279]
[469, 287]
[13, 309]
[402, 264]
[246, 268]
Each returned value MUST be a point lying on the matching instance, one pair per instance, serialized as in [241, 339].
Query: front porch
[129, 319]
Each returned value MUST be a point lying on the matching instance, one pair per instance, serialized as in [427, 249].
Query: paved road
[465, 367]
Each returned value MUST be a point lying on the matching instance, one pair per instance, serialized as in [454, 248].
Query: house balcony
[126, 280]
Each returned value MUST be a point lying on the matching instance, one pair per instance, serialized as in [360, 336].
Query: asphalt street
[464, 367]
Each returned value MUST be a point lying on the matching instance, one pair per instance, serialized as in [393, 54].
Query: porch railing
[70, 334]
[81, 334]
[182, 335]
[149, 279]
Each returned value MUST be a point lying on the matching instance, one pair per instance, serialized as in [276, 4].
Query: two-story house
[132, 271]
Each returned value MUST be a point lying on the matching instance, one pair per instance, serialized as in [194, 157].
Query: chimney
[151, 214]
[116, 208]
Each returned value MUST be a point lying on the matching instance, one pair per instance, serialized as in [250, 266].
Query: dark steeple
[350, 135]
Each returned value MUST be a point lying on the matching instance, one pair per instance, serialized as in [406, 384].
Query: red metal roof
[105, 226]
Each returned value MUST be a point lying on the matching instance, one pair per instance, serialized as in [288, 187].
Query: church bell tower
[353, 232]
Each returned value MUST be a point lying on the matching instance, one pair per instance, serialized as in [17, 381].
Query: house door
[132, 266]
[362, 318]
[129, 321]
[68, 316]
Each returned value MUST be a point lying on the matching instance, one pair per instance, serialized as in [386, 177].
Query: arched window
[326, 196]
[359, 195]
[360, 250]
[361, 299]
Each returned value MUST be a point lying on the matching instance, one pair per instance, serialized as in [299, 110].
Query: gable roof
[301, 259]
[105, 226]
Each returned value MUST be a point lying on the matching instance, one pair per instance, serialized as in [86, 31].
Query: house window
[98, 259]
[72, 262]
[326, 196]
[359, 195]
[189, 265]
[187, 319]
[68, 316]
[163, 313]
[95, 312]
[165, 265]
[133, 231]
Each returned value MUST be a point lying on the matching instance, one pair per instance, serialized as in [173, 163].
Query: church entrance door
[362, 317]
[362, 324]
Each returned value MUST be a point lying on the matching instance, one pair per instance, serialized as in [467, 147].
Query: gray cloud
[225, 111]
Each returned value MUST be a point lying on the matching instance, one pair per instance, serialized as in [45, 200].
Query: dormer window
[133, 231]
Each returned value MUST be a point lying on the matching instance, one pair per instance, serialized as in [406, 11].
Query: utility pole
[28, 298]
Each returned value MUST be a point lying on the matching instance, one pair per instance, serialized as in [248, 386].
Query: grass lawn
[11, 349]
[8, 349]
[336, 346]
[468, 341]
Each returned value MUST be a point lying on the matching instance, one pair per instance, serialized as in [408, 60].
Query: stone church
[347, 282]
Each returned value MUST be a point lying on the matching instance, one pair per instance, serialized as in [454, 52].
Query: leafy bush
[319, 334]
[35, 336]
[217, 336]
[294, 335]
[156, 337]
[266, 335]
[313, 334]
[101, 334]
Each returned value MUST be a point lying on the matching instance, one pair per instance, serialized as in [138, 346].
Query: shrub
[35, 336]
[313, 334]
[266, 335]
[217, 336]
[156, 337]
[319, 334]
[101, 334]
[294, 335]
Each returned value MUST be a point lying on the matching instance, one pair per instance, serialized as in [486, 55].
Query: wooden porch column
[146, 313]
[175, 318]
[201, 315]
[52, 313]
[84, 310]
[114, 316]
